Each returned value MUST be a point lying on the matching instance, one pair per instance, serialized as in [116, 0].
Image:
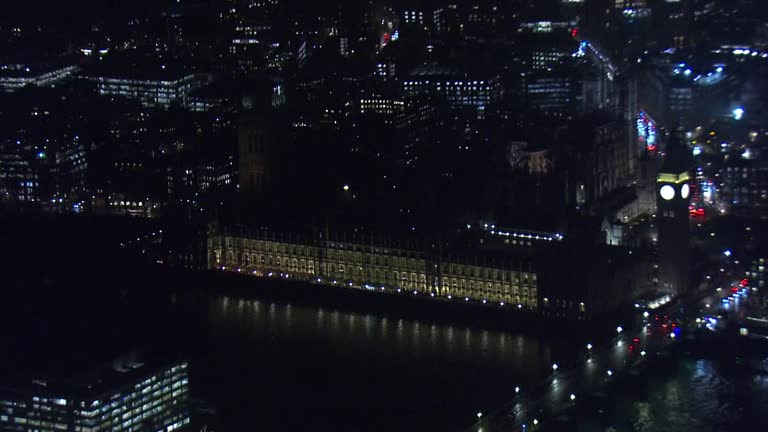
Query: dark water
[278, 366]
[703, 395]
[270, 365]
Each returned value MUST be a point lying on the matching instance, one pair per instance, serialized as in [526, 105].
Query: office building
[153, 89]
[387, 108]
[550, 90]
[16, 76]
[19, 181]
[744, 188]
[127, 397]
[459, 90]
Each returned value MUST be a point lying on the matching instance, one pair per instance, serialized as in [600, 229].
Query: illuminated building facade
[159, 92]
[744, 188]
[382, 106]
[646, 132]
[550, 91]
[16, 76]
[544, 58]
[458, 92]
[508, 269]
[386, 70]
[19, 181]
[131, 398]
[377, 267]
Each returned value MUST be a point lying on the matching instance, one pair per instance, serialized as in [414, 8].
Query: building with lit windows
[154, 90]
[386, 107]
[386, 70]
[19, 181]
[413, 17]
[744, 188]
[383, 266]
[127, 397]
[459, 90]
[16, 76]
[544, 58]
[550, 91]
[486, 266]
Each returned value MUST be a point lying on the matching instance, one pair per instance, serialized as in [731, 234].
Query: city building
[153, 89]
[495, 267]
[459, 90]
[550, 90]
[129, 396]
[16, 76]
[744, 187]
[387, 108]
[19, 181]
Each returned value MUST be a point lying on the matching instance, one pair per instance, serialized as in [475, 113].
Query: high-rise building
[672, 217]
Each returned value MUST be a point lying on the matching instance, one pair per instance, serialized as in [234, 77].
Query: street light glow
[554, 367]
[619, 329]
[727, 252]
[589, 346]
[573, 397]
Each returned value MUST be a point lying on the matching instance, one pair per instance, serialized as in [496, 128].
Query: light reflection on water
[406, 335]
[702, 396]
[439, 374]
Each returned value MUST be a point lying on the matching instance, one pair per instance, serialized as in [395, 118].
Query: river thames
[288, 363]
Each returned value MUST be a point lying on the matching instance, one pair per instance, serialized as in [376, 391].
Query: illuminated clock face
[685, 191]
[667, 192]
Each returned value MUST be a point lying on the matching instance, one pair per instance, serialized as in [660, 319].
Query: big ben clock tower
[672, 216]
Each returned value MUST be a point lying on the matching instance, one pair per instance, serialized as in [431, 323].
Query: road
[568, 385]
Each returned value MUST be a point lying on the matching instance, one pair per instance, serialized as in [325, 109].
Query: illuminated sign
[646, 131]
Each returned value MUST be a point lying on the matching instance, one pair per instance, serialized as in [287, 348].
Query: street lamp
[517, 390]
[573, 397]
[619, 329]
[554, 367]
[610, 372]
[479, 415]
